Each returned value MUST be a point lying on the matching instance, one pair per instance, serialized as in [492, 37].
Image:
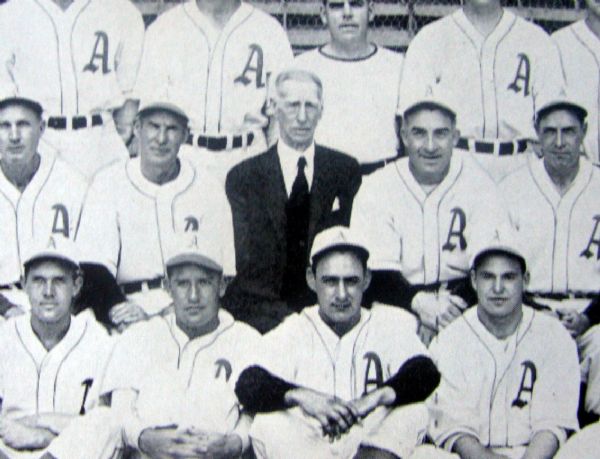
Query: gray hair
[298, 75]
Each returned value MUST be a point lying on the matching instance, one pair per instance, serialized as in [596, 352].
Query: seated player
[423, 213]
[581, 445]
[133, 210]
[34, 201]
[553, 205]
[510, 379]
[360, 86]
[338, 379]
[171, 379]
[51, 362]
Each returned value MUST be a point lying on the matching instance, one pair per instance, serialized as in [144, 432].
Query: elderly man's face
[20, 132]
[429, 136]
[298, 109]
[561, 134]
[196, 293]
[161, 134]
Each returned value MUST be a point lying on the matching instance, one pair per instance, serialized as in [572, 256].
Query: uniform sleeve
[128, 57]
[153, 71]
[281, 58]
[98, 236]
[239, 207]
[418, 70]
[556, 395]
[453, 410]
[549, 79]
[7, 55]
[376, 227]
[122, 371]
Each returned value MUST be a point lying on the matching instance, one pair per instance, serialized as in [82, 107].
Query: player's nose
[48, 290]
[560, 141]
[341, 290]
[14, 134]
[347, 9]
[194, 293]
[498, 285]
[161, 135]
[301, 116]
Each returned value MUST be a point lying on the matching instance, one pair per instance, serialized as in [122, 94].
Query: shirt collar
[288, 160]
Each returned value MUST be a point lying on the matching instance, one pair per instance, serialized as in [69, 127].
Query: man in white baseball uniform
[133, 211]
[499, 66]
[579, 46]
[216, 57]
[360, 86]
[422, 214]
[176, 398]
[553, 205]
[51, 361]
[337, 379]
[79, 60]
[510, 380]
[34, 202]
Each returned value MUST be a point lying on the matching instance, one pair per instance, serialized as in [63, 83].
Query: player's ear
[455, 137]
[223, 284]
[585, 126]
[367, 280]
[42, 126]
[526, 278]
[323, 13]
[473, 276]
[310, 279]
[403, 131]
[137, 125]
[78, 282]
[370, 12]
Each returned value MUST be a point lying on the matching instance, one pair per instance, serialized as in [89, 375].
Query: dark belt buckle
[57, 122]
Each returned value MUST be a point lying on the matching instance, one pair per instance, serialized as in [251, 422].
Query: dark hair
[479, 259]
[427, 105]
[361, 254]
[65, 264]
[27, 103]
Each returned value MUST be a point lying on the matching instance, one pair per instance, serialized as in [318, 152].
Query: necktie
[300, 185]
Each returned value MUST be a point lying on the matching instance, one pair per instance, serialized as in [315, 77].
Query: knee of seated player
[372, 452]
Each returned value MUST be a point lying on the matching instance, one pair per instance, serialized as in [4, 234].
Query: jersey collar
[47, 160]
[467, 27]
[182, 181]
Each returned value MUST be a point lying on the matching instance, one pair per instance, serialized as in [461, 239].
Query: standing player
[579, 46]
[499, 66]
[553, 205]
[135, 207]
[422, 215]
[510, 379]
[34, 202]
[216, 63]
[50, 361]
[338, 370]
[79, 60]
[360, 86]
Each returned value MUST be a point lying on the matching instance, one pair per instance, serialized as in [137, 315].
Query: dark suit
[258, 197]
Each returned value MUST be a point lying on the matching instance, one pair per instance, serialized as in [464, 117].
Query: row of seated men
[423, 215]
[335, 380]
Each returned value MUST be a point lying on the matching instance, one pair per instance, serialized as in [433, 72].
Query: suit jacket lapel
[273, 187]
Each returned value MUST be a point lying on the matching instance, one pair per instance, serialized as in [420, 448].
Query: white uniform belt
[495, 147]
[74, 122]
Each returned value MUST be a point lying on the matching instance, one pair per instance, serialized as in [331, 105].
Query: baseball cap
[196, 250]
[434, 96]
[150, 104]
[505, 243]
[337, 237]
[561, 102]
[59, 247]
[23, 101]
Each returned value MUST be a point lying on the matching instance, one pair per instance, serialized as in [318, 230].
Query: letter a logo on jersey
[457, 229]
[61, 220]
[191, 224]
[521, 81]
[253, 65]
[527, 383]
[594, 243]
[373, 373]
[225, 366]
[100, 52]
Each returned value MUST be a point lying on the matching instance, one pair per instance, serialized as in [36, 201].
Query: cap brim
[561, 105]
[429, 103]
[196, 259]
[504, 249]
[164, 106]
[341, 246]
[29, 103]
[51, 255]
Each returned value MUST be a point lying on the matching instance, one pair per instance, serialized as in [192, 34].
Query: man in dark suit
[280, 200]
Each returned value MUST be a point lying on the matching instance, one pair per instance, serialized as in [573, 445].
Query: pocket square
[336, 204]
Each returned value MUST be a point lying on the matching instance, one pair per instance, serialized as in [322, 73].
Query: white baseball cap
[191, 248]
[504, 243]
[562, 101]
[435, 95]
[9, 98]
[337, 237]
[55, 247]
[150, 104]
